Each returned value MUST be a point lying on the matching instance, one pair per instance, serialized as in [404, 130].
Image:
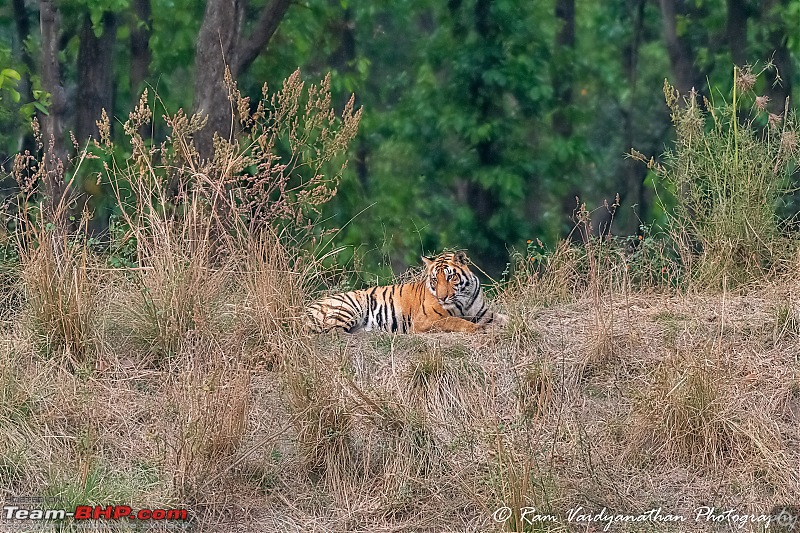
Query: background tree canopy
[483, 119]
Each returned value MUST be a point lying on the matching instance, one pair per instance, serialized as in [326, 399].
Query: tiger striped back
[448, 298]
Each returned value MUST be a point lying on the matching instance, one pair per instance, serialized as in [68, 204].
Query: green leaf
[41, 108]
[10, 73]
[96, 16]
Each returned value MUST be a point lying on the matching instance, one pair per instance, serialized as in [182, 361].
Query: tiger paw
[499, 321]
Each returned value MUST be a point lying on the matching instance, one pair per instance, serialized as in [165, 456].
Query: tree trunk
[737, 31]
[23, 26]
[342, 59]
[562, 81]
[95, 76]
[562, 66]
[483, 201]
[221, 42]
[680, 55]
[140, 47]
[633, 171]
[52, 124]
[216, 48]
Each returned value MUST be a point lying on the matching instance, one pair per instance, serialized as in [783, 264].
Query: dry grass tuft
[544, 278]
[694, 414]
[787, 318]
[61, 295]
[411, 457]
[209, 402]
[443, 382]
[534, 392]
[274, 281]
[324, 423]
[730, 173]
[516, 487]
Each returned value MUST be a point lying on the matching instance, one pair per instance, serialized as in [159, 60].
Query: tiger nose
[442, 289]
[442, 294]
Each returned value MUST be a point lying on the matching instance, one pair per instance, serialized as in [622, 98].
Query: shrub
[730, 167]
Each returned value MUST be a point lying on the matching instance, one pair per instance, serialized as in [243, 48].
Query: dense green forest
[485, 122]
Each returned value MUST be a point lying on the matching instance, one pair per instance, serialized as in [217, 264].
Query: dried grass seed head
[790, 143]
[745, 78]
[761, 102]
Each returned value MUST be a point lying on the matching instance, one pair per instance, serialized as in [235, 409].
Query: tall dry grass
[730, 168]
[215, 276]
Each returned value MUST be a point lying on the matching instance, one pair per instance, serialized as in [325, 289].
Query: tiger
[447, 299]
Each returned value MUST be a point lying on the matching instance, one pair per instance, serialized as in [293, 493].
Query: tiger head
[449, 278]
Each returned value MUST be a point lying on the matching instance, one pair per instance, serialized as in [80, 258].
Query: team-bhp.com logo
[94, 512]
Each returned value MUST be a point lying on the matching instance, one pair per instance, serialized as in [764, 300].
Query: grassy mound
[695, 403]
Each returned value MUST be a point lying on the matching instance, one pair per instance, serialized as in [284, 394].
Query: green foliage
[454, 126]
[16, 112]
[100, 484]
[8, 82]
[456, 146]
[123, 245]
[97, 9]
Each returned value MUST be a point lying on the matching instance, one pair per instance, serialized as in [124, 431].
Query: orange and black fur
[448, 298]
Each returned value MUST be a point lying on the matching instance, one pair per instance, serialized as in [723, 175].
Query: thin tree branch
[266, 26]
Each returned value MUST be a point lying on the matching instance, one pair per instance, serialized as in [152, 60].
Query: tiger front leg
[496, 321]
[447, 324]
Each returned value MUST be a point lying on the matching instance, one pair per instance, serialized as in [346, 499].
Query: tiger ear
[427, 260]
[461, 257]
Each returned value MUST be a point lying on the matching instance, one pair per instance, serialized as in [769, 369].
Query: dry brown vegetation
[185, 379]
[695, 403]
